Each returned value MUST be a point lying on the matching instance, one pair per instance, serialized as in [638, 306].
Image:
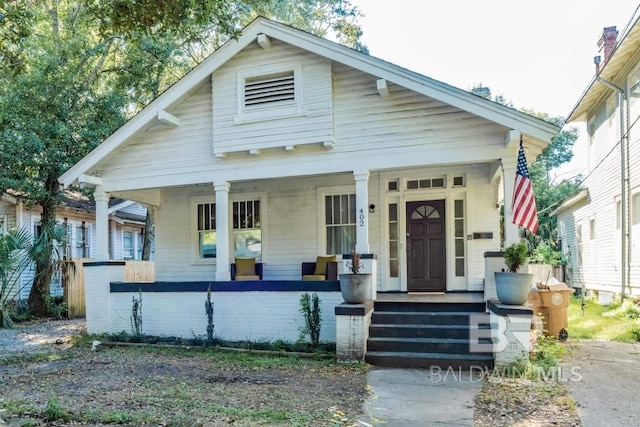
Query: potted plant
[513, 287]
[354, 285]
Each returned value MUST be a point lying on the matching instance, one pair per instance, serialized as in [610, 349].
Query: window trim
[321, 193]
[286, 110]
[243, 197]
[195, 252]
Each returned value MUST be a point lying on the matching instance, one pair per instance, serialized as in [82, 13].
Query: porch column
[222, 230]
[102, 223]
[508, 182]
[362, 211]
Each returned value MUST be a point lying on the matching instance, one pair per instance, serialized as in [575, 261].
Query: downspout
[623, 177]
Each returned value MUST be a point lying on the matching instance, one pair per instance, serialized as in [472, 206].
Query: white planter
[513, 288]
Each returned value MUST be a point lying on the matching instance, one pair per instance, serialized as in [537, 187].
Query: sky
[538, 54]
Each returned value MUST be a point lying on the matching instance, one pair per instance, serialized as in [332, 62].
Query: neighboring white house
[285, 146]
[77, 212]
[600, 227]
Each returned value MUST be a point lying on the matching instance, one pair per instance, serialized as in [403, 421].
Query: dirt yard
[66, 386]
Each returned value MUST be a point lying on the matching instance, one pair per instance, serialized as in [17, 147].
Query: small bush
[54, 412]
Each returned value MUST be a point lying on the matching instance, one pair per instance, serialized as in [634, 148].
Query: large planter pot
[513, 288]
[354, 287]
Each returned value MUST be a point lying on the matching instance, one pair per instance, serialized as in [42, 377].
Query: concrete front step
[441, 361]
[430, 345]
[430, 307]
[428, 318]
[422, 331]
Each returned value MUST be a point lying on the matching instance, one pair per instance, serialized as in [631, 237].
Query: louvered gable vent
[269, 90]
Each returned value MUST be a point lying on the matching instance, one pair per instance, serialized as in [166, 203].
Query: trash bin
[551, 305]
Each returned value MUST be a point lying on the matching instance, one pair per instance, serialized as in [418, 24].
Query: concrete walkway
[414, 397]
[604, 380]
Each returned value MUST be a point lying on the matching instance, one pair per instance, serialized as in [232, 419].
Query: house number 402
[361, 217]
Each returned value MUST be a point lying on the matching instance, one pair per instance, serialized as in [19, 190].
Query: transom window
[415, 184]
[340, 223]
[425, 211]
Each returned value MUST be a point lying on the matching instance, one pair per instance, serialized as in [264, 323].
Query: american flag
[524, 204]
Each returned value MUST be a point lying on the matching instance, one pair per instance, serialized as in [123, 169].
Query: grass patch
[615, 322]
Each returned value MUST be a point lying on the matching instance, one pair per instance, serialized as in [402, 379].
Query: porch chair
[246, 269]
[325, 268]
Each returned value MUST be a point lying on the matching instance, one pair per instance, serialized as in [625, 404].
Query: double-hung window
[128, 249]
[340, 223]
[247, 229]
[206, 220]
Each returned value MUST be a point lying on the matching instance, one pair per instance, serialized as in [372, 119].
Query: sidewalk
[606, 389]
[414, 397]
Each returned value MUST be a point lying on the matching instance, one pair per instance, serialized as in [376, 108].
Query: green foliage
[18, 252]
[310, 309]
[601, 322]
[545, 254]
[54, 412]
[516, 255]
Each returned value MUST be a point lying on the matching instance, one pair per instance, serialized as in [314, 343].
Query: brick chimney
[607, 42]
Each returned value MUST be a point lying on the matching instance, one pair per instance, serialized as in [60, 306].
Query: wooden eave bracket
[512, 137]
[383, 88]
[168, 118]
[264, 41]
[329, 145]
[254, 152]
[84, 180]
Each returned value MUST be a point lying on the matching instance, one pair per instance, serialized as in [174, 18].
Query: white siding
[315, 126]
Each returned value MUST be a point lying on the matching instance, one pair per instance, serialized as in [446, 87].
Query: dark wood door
[426, 246]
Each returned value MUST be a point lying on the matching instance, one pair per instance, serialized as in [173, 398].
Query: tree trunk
[40, 292]
[148, 234]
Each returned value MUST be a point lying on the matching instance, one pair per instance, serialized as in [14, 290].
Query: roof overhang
[571, 202]
[537, 132]
[610, 71]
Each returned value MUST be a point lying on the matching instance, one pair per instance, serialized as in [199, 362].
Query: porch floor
[445, 297]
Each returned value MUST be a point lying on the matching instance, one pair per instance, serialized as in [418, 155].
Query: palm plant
[18, 252]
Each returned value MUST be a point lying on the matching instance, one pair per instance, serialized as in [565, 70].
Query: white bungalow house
[77, 213]
[600, 227]
[284, 146]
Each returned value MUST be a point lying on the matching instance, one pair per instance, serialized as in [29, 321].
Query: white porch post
[222, 230]
[102, 223]
[362, 211]
[508, 181]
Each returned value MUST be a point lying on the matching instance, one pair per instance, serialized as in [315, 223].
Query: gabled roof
[536, 131]
[629, 43]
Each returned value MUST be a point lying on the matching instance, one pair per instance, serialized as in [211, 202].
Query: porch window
[394, 241]
[206, 217]
[247, 231]
[459, 239]
[340, 222]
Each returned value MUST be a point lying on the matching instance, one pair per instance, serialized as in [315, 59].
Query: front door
[426, 246]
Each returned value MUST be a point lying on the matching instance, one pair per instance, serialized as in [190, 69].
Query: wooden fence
[73, 282]
[544, 272]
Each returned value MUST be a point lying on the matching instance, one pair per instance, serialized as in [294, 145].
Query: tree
[72, 71]
[549, 195]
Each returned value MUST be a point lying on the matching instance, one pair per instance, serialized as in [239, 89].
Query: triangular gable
[537, 132]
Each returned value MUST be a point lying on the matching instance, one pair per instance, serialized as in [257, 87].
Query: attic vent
[269, 90]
